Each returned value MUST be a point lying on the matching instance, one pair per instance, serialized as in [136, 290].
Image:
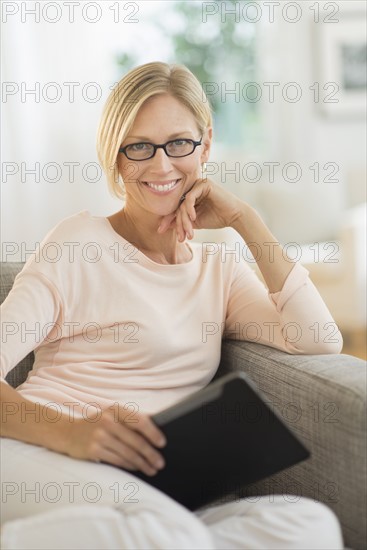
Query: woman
[119, 308]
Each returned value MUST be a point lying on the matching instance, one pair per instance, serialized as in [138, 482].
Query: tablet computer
[219, 440]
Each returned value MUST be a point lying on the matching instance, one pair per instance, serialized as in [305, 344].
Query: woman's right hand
[118, 437]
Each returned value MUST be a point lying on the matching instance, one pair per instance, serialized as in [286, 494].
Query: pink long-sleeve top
[111, 326]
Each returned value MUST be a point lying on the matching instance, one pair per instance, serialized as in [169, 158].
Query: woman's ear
[206, 142]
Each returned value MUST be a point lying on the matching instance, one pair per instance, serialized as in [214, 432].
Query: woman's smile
[162, 187]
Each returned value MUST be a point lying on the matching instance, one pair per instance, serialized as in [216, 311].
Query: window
[219, 46]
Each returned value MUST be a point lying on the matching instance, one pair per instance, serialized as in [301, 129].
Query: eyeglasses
[176, 148]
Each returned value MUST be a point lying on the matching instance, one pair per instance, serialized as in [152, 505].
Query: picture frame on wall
[341, 67]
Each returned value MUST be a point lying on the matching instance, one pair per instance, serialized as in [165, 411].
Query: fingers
[144, 456]
[182, 223]
[182, 217]
[186, 213]
[111, 457]
[131, 445]
[166, 222]
[189, 207]
[183, 226]
[148, 429]
[131, 456]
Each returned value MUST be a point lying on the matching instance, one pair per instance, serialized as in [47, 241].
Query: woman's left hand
[205, 206]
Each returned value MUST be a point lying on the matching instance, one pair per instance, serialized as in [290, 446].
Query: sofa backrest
[8, 272]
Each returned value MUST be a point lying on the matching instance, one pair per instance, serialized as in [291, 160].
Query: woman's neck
[141, 231]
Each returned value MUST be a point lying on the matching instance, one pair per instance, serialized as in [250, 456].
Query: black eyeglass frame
[161, 146]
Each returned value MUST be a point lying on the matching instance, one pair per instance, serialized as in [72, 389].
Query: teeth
[165, 187]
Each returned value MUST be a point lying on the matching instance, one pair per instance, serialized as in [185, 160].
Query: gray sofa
[321, 397]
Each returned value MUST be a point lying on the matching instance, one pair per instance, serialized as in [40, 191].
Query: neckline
[143, 256]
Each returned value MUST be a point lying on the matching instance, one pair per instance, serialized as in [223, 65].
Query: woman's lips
[162, 187]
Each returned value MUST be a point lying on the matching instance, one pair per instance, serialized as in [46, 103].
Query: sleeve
[29, 315]
[295, 319]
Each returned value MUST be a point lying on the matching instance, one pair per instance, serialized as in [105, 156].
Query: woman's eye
[179, 142]
[138, 146]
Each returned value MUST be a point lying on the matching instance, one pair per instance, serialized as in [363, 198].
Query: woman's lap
[37, 482]
[42, 487]
[35, 479]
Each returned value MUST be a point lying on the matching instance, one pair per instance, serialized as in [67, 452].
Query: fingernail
[159, 463]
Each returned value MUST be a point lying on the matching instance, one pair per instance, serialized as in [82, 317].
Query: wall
[64, 131]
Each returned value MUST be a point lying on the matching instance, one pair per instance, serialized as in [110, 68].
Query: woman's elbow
[322, 347]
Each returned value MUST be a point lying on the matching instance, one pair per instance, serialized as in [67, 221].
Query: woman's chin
[164, 209]
[161, 212]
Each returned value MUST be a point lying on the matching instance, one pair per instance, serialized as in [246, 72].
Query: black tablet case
[219, 440]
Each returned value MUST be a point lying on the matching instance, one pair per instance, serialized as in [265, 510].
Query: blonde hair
[129, 95]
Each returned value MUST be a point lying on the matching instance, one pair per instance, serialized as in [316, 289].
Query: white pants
[55, 502]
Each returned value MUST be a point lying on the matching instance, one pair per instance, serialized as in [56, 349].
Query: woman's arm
[26, 421]
[112, 437]
[290, 315]
[272, 260]
[34, 302]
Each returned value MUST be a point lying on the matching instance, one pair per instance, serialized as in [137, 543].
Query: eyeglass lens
[176, 148]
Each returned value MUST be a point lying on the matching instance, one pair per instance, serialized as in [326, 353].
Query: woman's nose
[161, 161]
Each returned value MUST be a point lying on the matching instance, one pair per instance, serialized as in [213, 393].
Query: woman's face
[160, 119]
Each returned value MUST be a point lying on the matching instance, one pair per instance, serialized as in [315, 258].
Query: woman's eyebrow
[172, 136]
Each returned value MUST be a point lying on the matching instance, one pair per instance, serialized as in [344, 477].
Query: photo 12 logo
[270, 12]
[67, 491]
[270, 92]
[70, 12]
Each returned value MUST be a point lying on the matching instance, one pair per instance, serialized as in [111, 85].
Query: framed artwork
[341, 66]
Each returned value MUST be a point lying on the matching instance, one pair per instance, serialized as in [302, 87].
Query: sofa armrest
[322, 398]
[8, 272]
